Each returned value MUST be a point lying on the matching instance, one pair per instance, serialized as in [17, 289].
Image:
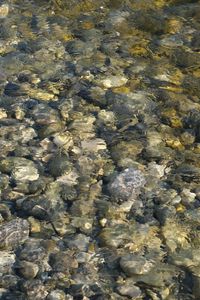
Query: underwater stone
[20, 168]
[25, 173]
[12, 89]
[56, 295]
[27, 269]
[127, 184]
[59, 165]
[134, 264]
[7, 260]
[130, 290]
[14, 233]
[63, 262]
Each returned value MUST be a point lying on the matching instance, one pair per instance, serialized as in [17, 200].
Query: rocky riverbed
[99, 150]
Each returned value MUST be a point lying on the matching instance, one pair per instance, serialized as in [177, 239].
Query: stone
[12, 90]
[94, 145]
[7, 260]
[3, 113]
[34, 289]
[63, 140]
[129, 289]
[14, 233]
[59, 165]
[25, 173]
[126, 184]
[4, 10]
[27, 269]
[113, 81]
[56, 295]
[63, 262]
[21, 169]
[133, 264]
[35, 225]
[79, 241]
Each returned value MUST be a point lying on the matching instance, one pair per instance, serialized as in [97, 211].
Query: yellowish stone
[196, 72]
[35, 225]
[3, 113]
[174, 25]
[175, 144]
[87, 25]
[171, 114]
[121, 90]
[180, 208]
[160, 3]
[41, 95]
[173, 88]
[176, 122]
[140, 48]
[61, 34]
[197, 149]
[4, 10]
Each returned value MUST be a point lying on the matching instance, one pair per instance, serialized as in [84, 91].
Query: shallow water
[99, 150]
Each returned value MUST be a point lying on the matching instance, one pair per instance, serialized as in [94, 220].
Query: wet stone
[9, 281]
[126, 185]
[59, 165]
[5, 211]
[56, 295]
[4, 10]
[79, 241]
[185, 59]
[34, 251]
[63, 262]
[134, 264]
[21, 169]
[27, 269]
[113, 81]
[7, 260]
[151, 22]
[34, 289]
[14, 233]
[129, 289]
[25, 173]
[12, 90]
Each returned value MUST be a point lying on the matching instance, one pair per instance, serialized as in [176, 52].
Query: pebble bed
[100, 150]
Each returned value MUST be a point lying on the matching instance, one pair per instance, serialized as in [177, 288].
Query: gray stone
[25, 173]
[56, 295]
[27, 269]
[7, 260]
[129, 289]
[21, 169]
[13, 233]
[127, 184]
[133, 264]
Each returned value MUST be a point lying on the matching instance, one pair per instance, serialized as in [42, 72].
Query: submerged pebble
[126, 185]
[13, 233]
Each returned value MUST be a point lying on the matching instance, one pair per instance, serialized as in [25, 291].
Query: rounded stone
[133, 264]
[13, 233]
[56, 295]
[130, 290]
[27, 269]
[126, 184]
[7, 260]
